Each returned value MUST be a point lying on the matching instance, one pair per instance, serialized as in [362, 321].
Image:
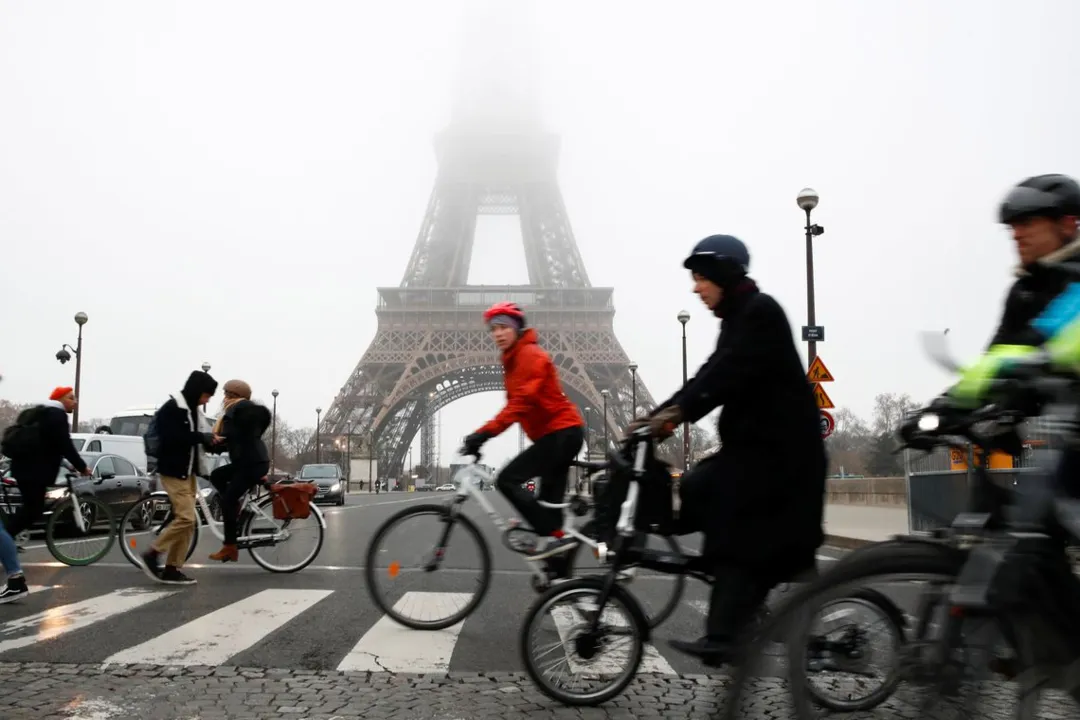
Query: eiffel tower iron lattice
[431, 348]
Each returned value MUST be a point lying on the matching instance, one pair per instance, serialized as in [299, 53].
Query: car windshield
[314, 472]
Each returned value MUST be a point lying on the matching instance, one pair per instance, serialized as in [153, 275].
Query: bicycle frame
[468, 480]
[247, 501]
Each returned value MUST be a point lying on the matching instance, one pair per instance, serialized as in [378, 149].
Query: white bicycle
[469, 480]
[259, 530]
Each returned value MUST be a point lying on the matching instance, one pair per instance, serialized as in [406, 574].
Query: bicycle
[1001, 561]
[255, 505]
[468, 481]
[7, 510]
[82, 513]
[598, 593]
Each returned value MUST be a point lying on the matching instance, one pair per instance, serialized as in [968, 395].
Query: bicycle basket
[292, 502]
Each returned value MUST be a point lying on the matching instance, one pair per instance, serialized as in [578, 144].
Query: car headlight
[205, 491]
[56, 493]
[335, 487]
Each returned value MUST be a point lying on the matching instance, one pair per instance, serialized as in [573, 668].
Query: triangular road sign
[822, 398]
[818, 373]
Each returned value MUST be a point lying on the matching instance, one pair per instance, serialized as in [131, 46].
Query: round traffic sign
[827, 424]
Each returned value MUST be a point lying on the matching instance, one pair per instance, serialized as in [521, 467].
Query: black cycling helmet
[723, 259]
[1051, 196]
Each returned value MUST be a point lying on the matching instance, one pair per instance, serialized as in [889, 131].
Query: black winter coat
[243, 427]
[771, 467]
[56, 438]
[181, 444]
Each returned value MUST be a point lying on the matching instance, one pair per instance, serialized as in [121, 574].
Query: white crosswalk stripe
[219, 635]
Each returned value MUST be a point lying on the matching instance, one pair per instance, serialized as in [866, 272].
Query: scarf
[225, 405]
[733, 295]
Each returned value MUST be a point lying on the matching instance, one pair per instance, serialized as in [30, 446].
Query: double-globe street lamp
[63, 356]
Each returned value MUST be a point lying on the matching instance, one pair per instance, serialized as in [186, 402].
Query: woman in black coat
[241, 426]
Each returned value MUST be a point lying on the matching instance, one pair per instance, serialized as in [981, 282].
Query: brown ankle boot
[226, 553]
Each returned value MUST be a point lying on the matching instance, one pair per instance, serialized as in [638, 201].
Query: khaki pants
[176, 539]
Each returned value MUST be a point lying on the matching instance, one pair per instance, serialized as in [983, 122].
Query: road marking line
[566, 619]
[63, 619]
[390, 646]
[215, 637]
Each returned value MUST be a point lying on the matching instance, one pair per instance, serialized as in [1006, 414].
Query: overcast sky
[229, 182]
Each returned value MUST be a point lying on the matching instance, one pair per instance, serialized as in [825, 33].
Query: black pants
[548, 459]
[33, 489]
[231, 482]
[740, 588]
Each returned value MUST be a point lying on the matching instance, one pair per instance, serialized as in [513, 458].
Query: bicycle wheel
[571, 637]
[261, 523]
[158, 509]
[446, 523]
[894, 560]
[99, 531]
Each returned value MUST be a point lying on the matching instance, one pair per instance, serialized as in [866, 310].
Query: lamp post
[633, 391]
[371, 460]
[318, 423]
[684, 317]
[63, 356]
[604, 394]
[205, 369]
[808, 200]
[273, 435]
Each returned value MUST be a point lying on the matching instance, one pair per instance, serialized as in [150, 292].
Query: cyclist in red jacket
[535, 400]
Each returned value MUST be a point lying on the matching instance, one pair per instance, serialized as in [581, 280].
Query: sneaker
[554, 547]
[15, 589]
[152, 564]
[173, 576]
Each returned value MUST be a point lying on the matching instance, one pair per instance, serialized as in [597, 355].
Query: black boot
[711, 652]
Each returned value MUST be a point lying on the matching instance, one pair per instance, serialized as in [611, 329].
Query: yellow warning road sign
[818, 373]
[822, 398]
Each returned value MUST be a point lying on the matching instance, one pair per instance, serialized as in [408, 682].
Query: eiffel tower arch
[431, 348]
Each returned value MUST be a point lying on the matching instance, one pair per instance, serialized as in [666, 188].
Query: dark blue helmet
[723, 259]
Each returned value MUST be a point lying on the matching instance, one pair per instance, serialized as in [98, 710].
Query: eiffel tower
[431, 348]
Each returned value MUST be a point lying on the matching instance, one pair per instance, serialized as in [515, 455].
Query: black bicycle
[583, 630]
[998, 612]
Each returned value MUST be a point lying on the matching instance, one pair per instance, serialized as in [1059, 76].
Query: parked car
[328, 478]
[446, 487]
[115, 481]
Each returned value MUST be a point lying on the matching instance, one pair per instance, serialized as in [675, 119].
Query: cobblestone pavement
[50, 691]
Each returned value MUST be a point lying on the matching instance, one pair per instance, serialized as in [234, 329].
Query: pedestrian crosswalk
[276, 627]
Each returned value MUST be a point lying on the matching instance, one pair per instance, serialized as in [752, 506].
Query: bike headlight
[56, 493]
[929, 422]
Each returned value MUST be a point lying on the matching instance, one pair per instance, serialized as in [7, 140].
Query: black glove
[472, 444]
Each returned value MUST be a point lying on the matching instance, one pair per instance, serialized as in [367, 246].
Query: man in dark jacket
[36, 472]
[241, 428]
[182, 433]
[760, 499]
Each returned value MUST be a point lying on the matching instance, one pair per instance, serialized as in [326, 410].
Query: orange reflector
[131, 542]
[394, 569]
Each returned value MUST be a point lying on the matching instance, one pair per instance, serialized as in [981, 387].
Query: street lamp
[63, 356]
[808, 200]
[684, 317]
[633, 391]
[273, 435]
[604, 394]
[318, 423]
[205, 369]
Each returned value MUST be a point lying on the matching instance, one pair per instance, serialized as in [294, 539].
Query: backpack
[26, 436]
[152, 439]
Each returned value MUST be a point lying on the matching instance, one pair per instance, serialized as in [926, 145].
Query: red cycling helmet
[505, 308]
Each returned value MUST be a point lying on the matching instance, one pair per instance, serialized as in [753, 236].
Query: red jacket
[534, 395]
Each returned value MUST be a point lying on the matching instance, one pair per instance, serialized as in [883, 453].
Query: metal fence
[936, 493]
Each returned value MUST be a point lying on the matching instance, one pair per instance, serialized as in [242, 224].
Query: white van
[129, 447]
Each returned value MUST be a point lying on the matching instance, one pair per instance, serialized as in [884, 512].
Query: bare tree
[9, 411]
[91, 425]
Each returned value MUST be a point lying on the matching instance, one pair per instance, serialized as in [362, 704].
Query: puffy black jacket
[772, 463]
[181, 444]
[243, 427]
[44, 467]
